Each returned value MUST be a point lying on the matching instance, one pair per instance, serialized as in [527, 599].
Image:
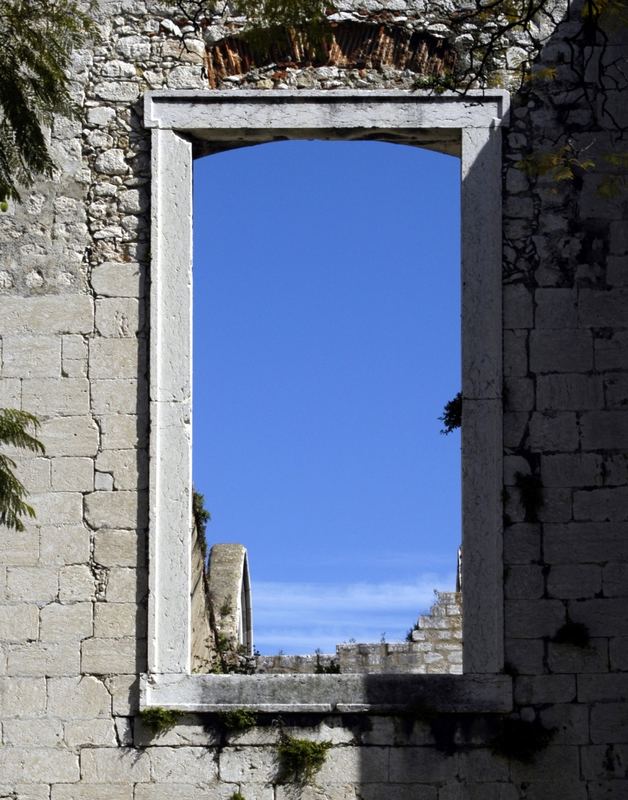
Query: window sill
[338, 694]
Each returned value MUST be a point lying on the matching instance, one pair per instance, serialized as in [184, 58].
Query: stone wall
[74, 269]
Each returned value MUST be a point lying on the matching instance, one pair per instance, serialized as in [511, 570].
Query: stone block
[603, 307]
[604, 430]
[20, 548]
[46, 315]
[524, 656]
[118, 396]
[115, 359]
[70, 436]
[570, 659]
[411, 765]
[22, 697]
[600, 505]
[31, 357]
[615, 580]
[554, 431]
[604, 761]
[111, 765]
[603, 617]
[112, 510]
[10, 392]
[555, 308]
[585, 542]
[533, 619]
[118, 317]
[602, 687]
[609, 723]
[190, 791]
[257, 765]
[106, 656]
[114, 620]
[115, 92]
[124, 693]
[36, 584]
[524, 582]
[44, 658]
[126, 585]
[567, 392]
[616, 391]
[90, 733]
[118, 548]
[113, 279]
[63, 545]
[574, 581]
[553, 764]
[34, 473]
[517, 307]
[56, 396]
[72, 474]
[188, 732]
[570, 721]
[537, 689]
[522, 543]
[128, 467]
[38, 765]
[561, 351]
[611, 352]
[59, 622]
[32, 732]
[515, 353]
[76, 583]
[58, 508]
[618, 653]
[88, 791]
[185, 764]
[571, 470]
[120, 431]
[18, 622]
[519, 394]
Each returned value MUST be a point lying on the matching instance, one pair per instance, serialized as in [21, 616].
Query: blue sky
[326, 342]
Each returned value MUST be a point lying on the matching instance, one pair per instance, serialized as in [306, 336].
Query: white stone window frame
[469, 126]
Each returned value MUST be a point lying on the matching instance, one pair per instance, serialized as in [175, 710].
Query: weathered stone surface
[117, 548]
[31, 356]
[71, 622]
[112, 510]
[46, 315]
[70, 436]
[113, 279]
[113, 765]
[62, 397]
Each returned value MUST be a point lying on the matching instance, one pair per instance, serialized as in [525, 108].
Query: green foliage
[300, 759]
[38, 38]
[237, 796]
[238, 720]
[562, 164]
[574, 633]
[159, 720]
[531, 495]
[521, 740]
[201, 517]
[14, 427]
[452, 415]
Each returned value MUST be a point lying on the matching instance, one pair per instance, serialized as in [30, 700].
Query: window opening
[326, 343]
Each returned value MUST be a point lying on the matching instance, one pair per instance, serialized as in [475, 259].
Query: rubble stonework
[74, 277]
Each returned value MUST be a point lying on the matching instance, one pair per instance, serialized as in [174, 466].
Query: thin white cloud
[301, 617]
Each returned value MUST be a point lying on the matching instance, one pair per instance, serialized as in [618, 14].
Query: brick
[574, 581]
[184, 764]
[22, 697]
[604, 430]
[114, 358]
[113, 279]
[569, 392]
[72, 623]
[72, 474]
[609, 723]
[38, 765]
[601, 505]
[51, 314]
[18, 623]
[76, 583]
[105, 656]
[112, 510]
[555, 308]
[70, 436]
[113, 765]
[554, 431]
[533, 690]
[571, 470]
[32, 583]
[531, 619]
[118, 548]
[82, 697]
[58, 397]
[561, 351]
[47, 658]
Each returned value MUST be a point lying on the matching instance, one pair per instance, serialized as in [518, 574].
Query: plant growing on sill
[300, 759]
[238, 720]
[159, 720]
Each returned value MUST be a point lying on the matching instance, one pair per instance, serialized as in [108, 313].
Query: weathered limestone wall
[73, 331]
